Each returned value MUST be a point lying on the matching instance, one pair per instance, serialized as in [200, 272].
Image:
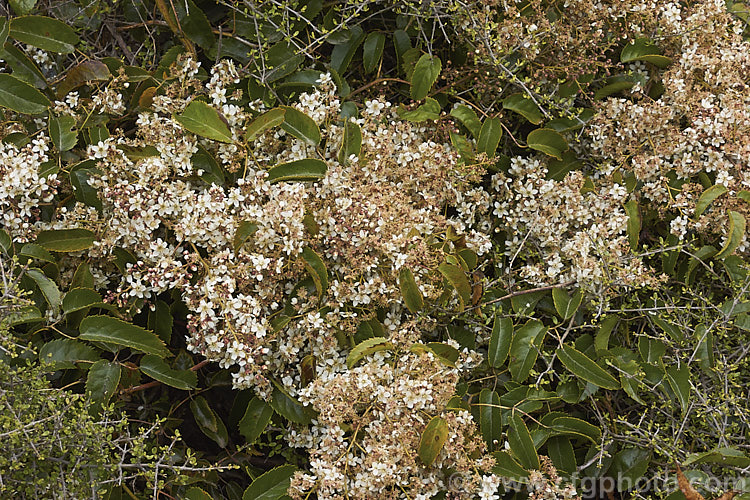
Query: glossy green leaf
[584, 367]
[245, 230]
[257, 415]
[490, 417]
[489, 136]
[630, 464]
[524, 349]
[205, 121]
[82, 190]
[271, 485]
[65, 353]
[734, 236]
[158, 369]
[679, 381]
[643, 49]
[500, 340]
[524, 106]
[21, 97]
[432, 440]
[288, 407]
[562, 454]
[207, 167]
[300, 126]
[426, 73]
[44, 33]
[34, 251]
[601, 340]
[548, 141]
[194, 23]
[61, 132]
[566, 305]
[372, 51]
[468, 118]
[351, 142]
[161, 321]
[521, 443]
[208, 421]
[317, 270]
[342, 54]
[447, 353]
[506, 466]
[271, 118]
[102, 380]
[457, 278]
[48, 288]
[309, 169]
[430, 110]
[115, 331]
[24, 68]
[66, 240]
[365, 348]
[195, 493]
[651, 350]
[21, 7]
[634, 223]
[80, 298]
[578, 427]
[410, 291]
[707, 197]
[725, 456]
[280, 60]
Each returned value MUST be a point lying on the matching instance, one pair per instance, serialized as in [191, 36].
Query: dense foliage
[374, 249]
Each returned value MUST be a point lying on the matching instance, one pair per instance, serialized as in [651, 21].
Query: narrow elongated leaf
[272, 485]
[115, 331]
[426, 72]
[432, 440]
[601, 340]
[679, 381]
[288, 407]
[572, 425]
[158, 369]
[524, 349]
[584, 367]
[724, 456]
[21, 97]
[342, 54]
[201, 119]
[80, 298]
[490, 417]
[266, 121]
[489, 136]
[309, 169]
[24, 68]
[34, 251]
[209, 422]
[562, 454]
[160, 321]
[708, 196]
[548, 141]
[351, 142]
[300, 126]
[257, 415]
[457, 277]
[317, 269]
[66, 240]
[61, 132]
[372, 51]
[634, 223]
[499, 348]
[44, 33]
[506, 466]
[521, 443]
[468, 118]
[643, 49]
[734, 236]
[48, 288]
[102, 380]
[410, 291]
[365, 348]
[566, 305]
[245, 230]
[65, 353]
[524, 106]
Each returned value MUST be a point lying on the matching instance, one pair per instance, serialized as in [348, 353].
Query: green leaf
[196, 493]
[201, 119]
[34, 251]
[288, 407]
[506, 466]
[630, 464]
[194, 23]
[157, 369]
[562, 454]
[432, 440]
[300, 126]
[115, 331]
[584, 367]
[643, 49]
[489, 136]
[566, 305]
[160, 321]
[708, 196]
[351, 142]
[490, 417]
[521, 443]
[44, 33]
[457, 277]
[23, 314]
[244, 231]
[524, 106]
[679, 381]
[410, 291]
[82, 190]
[272, 485]
[309, 169]
[257, 415]
[102, 380]
[548, 141]
[634, 223]
[6, 242]
[365, 348]
[209, 422]
[66, 240]
[21, 97]
[430, 110]
[524, 349]
[4, 29]
[734, 236]
[723, 456]
[425, 75]
[21, 7]
[205, 161]
[61, 354]
[61, 132]
[578, 427]
[80, 298]
[23, 67]
[48, 288]
[499, 348]
[317, 269]
[266, 121]
[342, 54]
[372, 51]
[87, 71]
[446, 353]
[705, 349]
[468, 118]
[281, 60]
[651, 350]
